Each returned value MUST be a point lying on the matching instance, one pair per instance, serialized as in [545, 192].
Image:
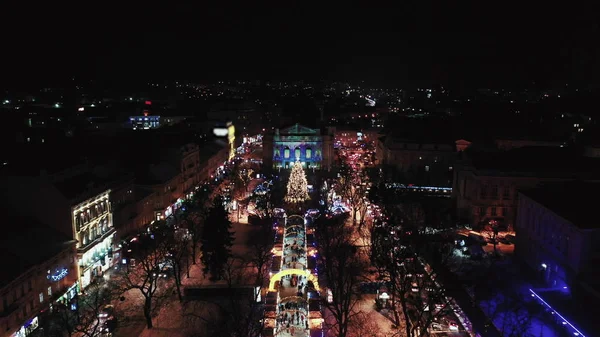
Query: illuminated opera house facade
[312, 147]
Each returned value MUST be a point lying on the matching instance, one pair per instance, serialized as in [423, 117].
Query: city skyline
[267, 170]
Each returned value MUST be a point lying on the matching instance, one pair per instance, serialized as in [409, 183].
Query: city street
[356, 157]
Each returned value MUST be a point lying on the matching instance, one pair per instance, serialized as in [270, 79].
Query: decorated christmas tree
[297, 190]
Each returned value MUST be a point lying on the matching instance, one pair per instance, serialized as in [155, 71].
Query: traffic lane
[416, 267]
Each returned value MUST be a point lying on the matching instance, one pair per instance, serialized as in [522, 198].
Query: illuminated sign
[220, 132]
[148, 102]
[58, 275]
[231, 131]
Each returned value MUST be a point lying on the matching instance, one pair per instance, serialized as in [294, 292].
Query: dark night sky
[428, 42]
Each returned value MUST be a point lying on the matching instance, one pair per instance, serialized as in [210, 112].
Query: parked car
[106, 311]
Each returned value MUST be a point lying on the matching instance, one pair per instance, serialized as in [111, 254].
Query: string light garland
[297, 186]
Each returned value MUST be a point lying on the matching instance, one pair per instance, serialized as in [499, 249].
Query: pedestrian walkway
[291, 314]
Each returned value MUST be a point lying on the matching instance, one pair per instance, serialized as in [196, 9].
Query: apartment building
[75, 202]
[485, 184]
[39, 270]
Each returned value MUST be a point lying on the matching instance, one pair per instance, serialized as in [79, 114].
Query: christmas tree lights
[297, 186]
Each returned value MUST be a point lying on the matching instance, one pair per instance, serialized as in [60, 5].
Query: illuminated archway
[295, 216]
[294, 233]
[293, 226]
[292, 298]
[286, 272]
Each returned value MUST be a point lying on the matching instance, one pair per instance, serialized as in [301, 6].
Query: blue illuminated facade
[312, 147]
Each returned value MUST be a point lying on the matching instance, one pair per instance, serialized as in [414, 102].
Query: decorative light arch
[296, 229]
[295, 226]
[292, 298]
[295, 216]
[286, 272]
[294, 235]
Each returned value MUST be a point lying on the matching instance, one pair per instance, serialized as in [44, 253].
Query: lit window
[41, 297]
[297, 152]
[286, 153]
[308, 153]
[49, 291]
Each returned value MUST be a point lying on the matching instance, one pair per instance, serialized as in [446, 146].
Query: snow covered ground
[170, 320]
[512, 318]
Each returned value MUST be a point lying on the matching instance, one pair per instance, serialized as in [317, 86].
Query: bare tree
[261, 250]
[217, 239]
[240, 178]
[491, 230]
[244, 310]
[342, 270]
[262, 203]
[178, 256]
[86, 318]
[151, 253]
[204, 318]
[235, 311]
[194, 217]
[352, 187]
[366, 325]
[416, 299]
[510, 314]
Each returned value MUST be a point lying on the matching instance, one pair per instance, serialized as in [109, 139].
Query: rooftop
[298, 129]
[31, 159]
[439, 143]
[27, 232]
[80, 184]
[207, 150]
[544, 160]
[141, 192]
[156, 173]
[572, 201]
